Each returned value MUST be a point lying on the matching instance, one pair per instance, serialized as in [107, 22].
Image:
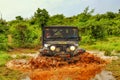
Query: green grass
[110, 44]
[4, 57]
[23, 50]
[8, 74]
[114, 67]
[5, 73]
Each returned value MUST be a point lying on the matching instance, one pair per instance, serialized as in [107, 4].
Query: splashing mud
[43, 68]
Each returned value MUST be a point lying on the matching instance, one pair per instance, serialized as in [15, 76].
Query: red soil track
[44, 68]
[84, 69]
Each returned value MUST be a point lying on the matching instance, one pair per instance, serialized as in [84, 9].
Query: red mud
[84, 69]
[42, 68]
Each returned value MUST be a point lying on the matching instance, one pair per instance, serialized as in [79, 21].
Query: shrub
[3, 42]
[4, 57]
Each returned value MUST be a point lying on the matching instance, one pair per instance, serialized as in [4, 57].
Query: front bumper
[47, 52]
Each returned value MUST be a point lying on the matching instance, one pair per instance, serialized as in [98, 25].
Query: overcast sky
[26, 8]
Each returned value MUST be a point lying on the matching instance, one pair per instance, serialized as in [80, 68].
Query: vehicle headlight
[52, 48]
[46, 45]
[72, 48]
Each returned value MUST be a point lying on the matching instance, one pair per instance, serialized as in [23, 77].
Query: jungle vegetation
[26, 32]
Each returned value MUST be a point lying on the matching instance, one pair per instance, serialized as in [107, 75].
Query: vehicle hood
[62, 42]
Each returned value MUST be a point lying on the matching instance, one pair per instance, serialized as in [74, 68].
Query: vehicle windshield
[61, 33]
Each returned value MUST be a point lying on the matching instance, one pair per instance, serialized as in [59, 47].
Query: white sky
[26, 8]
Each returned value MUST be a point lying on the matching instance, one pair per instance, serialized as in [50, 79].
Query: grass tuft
[111, 44]
[4, 57]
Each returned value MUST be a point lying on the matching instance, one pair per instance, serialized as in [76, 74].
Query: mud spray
[42, 68]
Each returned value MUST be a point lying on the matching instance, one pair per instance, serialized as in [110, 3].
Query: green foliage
[110, 15]
[56, 20]
[110, 44]
[107, 53]
[84, 16]
[114, 67]
[19, 18]
[3, 42]
[41, 17]
[96, 31]
[3, 27]
[4, 57]
[25, 35]
[26, 32]
[7, 74]
[3, 35]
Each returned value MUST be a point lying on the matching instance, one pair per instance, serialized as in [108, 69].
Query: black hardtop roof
[60, 27]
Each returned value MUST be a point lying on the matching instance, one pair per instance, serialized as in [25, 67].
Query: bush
[87, 40]
[25, 35]
[4, 57]
[107, 53]
[3, 42]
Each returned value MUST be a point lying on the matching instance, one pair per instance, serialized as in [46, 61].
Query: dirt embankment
[42, 68]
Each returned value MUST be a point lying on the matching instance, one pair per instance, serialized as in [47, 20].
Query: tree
[3, 34]
[19, 18]
[57, 19]
[41, 16]
[110, 15]
[24, 35]
[85, 15]
[97, 31]
[3, 27]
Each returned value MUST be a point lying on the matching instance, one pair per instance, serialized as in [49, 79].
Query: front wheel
[79, 51]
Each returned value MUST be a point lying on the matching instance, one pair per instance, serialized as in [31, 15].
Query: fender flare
[79, 51]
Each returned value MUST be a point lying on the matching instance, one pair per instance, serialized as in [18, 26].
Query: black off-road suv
[60, 41]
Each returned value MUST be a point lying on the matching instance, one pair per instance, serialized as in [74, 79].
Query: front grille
[62, 47]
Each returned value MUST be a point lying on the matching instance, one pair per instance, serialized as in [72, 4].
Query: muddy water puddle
[41, 68]
[103, 75]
